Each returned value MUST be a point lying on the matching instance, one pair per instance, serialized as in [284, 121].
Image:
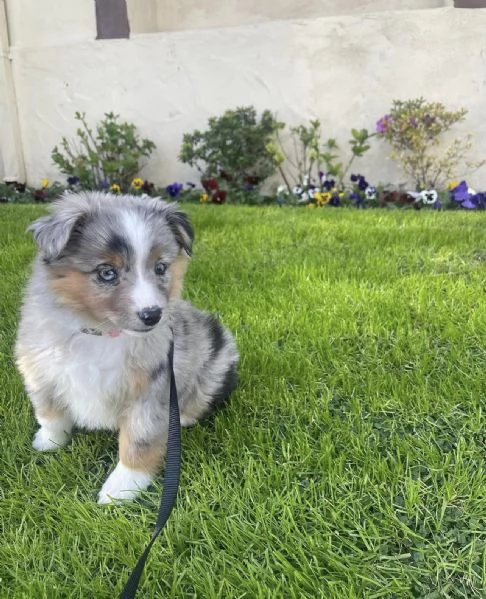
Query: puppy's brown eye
[107, 274]
[160, 268]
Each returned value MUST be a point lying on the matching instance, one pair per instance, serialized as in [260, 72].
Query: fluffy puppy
[96, 323]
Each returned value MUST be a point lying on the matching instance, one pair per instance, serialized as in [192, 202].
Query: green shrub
[415, 130]
[110, 156]
[235, 150]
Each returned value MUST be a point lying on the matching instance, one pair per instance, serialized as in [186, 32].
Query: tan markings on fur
[75, 290]
[114, 259]
[155, 253]
[178, 270]
[137, 383]
[145, 458]
[30, 363]
[49, 412]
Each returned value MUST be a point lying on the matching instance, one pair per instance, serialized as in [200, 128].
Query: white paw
[47, 439]
[123, 483]
[187, 420]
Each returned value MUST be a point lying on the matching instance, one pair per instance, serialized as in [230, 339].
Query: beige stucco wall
[343, 69]
[148, 16]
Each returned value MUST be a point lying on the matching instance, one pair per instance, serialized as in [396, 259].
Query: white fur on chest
[88, 373]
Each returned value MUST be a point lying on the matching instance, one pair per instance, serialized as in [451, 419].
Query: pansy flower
[219, 196]
[209, 184]
[204, 198]
[40, 195]
[137, 183]
[73, 180]
[115, 188]
[45, 183]
[370, 193]
[147, 187]
[174, 189]
[428, 196]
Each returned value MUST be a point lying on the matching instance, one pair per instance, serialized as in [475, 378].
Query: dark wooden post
[469, 3]
[112, 19]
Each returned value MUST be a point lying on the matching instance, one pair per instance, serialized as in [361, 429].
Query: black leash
[171, 480]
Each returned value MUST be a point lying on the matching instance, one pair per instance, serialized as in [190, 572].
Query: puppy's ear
[53, 232]
[181, 227]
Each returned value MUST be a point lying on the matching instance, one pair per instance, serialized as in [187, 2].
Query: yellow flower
[311, 205]
[322, 198]
[115, 188]
[45, 183]
[342, 195]
[453, 185]
[137, 183]
[204, 198]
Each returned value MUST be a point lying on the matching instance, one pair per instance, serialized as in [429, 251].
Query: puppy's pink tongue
[114, 333]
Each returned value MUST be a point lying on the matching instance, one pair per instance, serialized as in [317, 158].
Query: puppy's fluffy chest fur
[91, 375]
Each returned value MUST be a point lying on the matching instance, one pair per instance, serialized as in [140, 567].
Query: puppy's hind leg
[211, 392]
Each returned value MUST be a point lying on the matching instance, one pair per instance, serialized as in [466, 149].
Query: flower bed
[240, 151]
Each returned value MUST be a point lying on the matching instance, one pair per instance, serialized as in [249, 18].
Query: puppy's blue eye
[160, 268]
[107, 274]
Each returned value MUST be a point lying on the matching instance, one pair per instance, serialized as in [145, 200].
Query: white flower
[428, 196]
[311, 193]
[471, 191]
[370, 192]
[297, 190]
[304, 197]
[306, 180]
[281, 189]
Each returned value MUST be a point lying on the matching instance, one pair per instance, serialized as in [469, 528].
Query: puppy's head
[117, 260]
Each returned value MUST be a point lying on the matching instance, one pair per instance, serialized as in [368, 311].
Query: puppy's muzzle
[150, 316]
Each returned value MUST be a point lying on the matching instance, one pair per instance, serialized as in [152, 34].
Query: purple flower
[104, 184]
[174, 189]
[335, 201]
[363, 184]
[73, 180]
[361, 181]
[383, 124]
[40, 195]
[328, 185]
[467, 198]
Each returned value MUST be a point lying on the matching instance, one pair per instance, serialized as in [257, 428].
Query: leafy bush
[311, 157]
[236, 150]
[415, 130]
[111, 156]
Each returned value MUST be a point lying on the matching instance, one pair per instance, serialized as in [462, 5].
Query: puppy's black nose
[150, 316]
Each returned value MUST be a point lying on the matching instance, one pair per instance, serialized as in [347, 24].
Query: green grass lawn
[350, 462]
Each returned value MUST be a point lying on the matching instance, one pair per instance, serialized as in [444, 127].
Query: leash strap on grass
[171, 480]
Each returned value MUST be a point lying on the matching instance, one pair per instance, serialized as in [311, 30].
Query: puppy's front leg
[138, 463]
[55, 424]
